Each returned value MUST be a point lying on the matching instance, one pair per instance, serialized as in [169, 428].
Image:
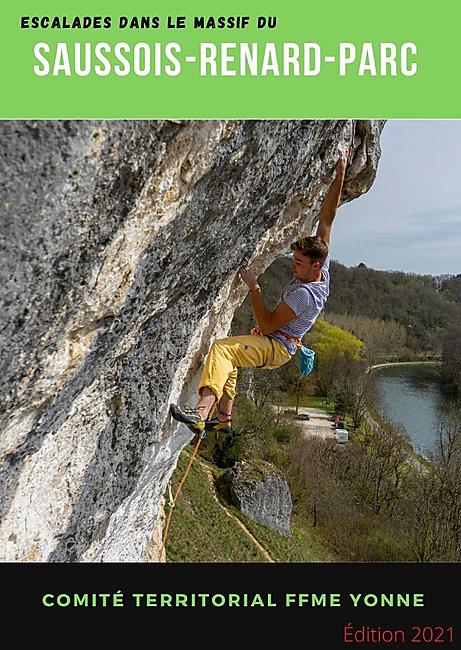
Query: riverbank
[411, 396]
[413, 458]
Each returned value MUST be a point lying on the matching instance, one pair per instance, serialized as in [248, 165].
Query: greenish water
[412, 396]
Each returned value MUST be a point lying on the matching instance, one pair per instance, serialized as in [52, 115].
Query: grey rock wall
[119, 248]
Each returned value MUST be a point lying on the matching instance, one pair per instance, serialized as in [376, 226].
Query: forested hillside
[451, 288]
[411, 300]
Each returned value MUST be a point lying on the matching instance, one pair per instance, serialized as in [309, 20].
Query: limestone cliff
[120, 243]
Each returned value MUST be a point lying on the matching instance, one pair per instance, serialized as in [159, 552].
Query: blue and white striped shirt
[307, 300]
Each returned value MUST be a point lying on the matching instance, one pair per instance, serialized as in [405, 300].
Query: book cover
[202, 206]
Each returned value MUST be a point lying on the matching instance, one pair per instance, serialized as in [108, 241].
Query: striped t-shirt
[307, 299]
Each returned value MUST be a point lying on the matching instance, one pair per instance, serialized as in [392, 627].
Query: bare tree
[447, 462]
[353, 389]
[422, 518]
[451, 357]
[382, 339]
[431, 509]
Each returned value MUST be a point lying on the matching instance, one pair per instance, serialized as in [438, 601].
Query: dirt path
[210, 478]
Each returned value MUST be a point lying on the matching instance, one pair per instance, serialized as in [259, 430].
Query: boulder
[261, 493]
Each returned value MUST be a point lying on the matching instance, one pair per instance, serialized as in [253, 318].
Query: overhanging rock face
[120, 244]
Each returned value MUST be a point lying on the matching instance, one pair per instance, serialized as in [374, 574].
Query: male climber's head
[309, 254]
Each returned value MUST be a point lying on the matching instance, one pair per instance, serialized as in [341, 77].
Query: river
[411, 395]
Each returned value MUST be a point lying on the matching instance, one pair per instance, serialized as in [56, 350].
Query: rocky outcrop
[120, 244]
[261, 493]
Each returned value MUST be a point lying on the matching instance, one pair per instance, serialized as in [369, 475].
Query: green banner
[236, 60]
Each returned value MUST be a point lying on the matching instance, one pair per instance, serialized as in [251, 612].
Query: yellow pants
[226, 355]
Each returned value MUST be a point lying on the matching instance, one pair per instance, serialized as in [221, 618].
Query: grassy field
[304, 545]
[201, 530]
[312, 401]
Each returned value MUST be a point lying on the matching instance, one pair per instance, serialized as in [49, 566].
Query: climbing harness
[306, 355]
[172, 502]
[294, 339]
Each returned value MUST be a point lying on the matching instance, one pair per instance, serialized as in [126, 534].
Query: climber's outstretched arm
[330, 202]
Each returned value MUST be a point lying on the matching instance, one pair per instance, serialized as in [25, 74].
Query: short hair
[313, 247]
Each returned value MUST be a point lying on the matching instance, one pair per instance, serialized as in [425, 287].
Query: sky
[410, 219]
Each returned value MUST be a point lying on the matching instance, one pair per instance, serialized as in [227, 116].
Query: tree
[431, 509]
[353, 389]
[383, 339]
[451, 357]
[331, 346]
[447, 463]
[383, 468]
[420, 515]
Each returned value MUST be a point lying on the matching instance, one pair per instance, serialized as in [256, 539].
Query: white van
[342, 435]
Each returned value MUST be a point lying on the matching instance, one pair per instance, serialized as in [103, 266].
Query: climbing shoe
[190, 417]
[217, 425]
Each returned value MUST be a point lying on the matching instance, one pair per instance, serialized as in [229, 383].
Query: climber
[278, 333]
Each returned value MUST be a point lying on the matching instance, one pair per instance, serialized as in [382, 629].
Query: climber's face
[304, 268]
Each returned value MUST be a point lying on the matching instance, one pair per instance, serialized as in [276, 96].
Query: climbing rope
[172, 503]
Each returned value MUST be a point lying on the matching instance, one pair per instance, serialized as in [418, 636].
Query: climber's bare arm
[268, 321]
[330, 202]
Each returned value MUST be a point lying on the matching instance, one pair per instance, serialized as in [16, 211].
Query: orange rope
[181, 483]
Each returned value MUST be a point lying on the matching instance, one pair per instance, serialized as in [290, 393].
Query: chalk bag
[306, 360]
